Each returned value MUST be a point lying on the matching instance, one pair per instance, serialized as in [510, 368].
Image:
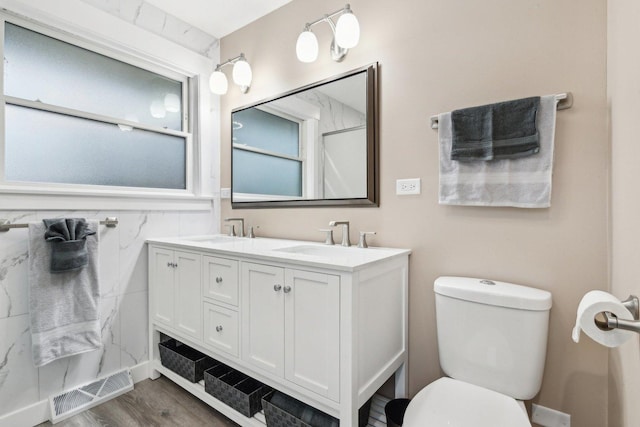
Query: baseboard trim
[31, 415]
[38, 412]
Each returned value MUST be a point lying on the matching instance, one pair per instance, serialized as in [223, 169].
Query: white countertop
[298, 251]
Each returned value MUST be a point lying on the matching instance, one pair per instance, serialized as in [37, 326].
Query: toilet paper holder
[608, 321]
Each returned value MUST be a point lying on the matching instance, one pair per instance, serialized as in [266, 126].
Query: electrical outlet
[549, 417]
[407, 186]
[225, 193]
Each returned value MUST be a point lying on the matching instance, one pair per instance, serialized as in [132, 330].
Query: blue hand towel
[68, 243]
[505, 130]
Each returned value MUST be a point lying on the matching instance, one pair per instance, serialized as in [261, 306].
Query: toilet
[492, 342]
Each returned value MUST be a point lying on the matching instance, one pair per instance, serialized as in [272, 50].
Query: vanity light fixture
[346, 34]
[241, 74]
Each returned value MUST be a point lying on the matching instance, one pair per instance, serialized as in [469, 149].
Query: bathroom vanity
[324, 324]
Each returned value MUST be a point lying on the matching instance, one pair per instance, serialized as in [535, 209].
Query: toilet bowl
[492, 342]
[454, 403]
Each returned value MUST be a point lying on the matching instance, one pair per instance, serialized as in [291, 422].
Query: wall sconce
[346, 34]
[241, 74]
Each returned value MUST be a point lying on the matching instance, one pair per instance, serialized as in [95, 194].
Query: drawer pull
[277, 288]
[287, 289]
[219, 328]
[218, 279]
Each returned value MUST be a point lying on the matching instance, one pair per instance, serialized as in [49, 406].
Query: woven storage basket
[279, 417]
[302, 415]
[237, 390]
[184, 360]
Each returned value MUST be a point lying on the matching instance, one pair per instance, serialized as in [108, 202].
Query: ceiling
[218, 17]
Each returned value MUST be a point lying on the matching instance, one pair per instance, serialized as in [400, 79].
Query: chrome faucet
[345, 231]
[241, 220]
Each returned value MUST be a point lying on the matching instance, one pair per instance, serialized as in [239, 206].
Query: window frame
[118, 53]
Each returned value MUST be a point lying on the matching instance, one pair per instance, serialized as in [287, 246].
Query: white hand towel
[522, 183]
[63, 307]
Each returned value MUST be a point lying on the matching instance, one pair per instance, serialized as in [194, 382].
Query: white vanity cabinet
[326, 325]
[176, 297]
[291, 325]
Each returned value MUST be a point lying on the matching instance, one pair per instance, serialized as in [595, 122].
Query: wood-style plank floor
[151, 403]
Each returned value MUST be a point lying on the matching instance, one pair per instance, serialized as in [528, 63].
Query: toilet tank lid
[493, 293]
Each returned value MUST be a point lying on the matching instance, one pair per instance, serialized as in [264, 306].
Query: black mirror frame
[372, 199]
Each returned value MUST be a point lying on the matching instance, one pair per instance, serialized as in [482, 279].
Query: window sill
[12, 198]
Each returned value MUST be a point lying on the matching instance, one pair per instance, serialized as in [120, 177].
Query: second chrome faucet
[345, 231]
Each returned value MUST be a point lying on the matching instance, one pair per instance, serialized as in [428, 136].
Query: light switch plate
[225, 193]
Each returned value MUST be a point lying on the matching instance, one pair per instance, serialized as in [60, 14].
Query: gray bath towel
[505, 130]
[63, 307]
[523, 183]
[67, 237]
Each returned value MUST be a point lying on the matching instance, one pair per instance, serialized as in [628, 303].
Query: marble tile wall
[154, 19]
[334, 115]
[123, 304]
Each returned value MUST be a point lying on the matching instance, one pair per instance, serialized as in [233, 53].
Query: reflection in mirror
[314, 146]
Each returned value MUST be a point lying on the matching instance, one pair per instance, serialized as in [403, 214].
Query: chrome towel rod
[565, 101]
[5, 224]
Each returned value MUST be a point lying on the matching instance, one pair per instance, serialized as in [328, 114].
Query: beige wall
[440, 55]
[624, 99]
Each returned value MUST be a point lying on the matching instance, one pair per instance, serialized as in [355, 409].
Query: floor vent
[72, 402]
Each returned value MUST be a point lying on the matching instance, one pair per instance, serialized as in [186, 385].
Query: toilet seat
[453, 403]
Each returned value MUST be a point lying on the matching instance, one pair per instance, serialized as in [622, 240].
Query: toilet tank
[492, 334]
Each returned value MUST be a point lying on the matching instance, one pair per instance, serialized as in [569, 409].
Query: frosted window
[41, 68]
[261, 174]
[63, 115]
[48, 147]
[258, 129]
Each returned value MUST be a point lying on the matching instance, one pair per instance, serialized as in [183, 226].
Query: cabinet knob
[277, 288]
[218, 279]
[287, 289]
[172, 264]
[219, 328]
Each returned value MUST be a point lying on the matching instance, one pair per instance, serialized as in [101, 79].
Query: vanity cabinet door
[312, 331]
[161, 278]
[175, 287]
[188, 294]
[263, 317]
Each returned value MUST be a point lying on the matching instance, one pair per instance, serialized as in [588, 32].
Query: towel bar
[5, 224]
[565, 101]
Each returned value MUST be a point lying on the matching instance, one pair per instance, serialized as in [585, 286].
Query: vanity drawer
[221, 328]
[220, 279]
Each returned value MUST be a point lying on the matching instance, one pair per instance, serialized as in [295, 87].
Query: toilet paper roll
[592, 303]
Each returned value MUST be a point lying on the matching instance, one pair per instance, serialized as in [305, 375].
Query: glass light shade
[172, 103]
[347, 31]
[307, 47]
[218, 83]
[157, 109]
[242, 74]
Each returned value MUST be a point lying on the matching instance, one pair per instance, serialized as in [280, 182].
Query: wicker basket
[237, 390]
[297, 414]
[184, 360]
[303, 415]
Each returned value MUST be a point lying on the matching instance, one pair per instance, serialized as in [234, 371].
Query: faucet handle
[232, 230]
[362, 243]
[252, 234]
[328, 239]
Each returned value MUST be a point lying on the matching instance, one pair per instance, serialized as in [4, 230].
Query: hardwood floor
[150, 403]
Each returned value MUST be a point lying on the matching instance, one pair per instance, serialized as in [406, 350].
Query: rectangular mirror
[314, 146]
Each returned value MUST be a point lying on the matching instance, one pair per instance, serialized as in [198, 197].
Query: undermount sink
[215, 240]
[322, 251]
